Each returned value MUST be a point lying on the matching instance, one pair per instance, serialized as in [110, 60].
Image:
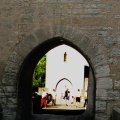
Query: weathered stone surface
[77, 36]
[68, 32]
[41, 35]
[101, 116]
[113, 61]
[101, 106]
[115, 52]
[99, 60]
[111, 106]
[104, 83]
[110, 41]
[103, 94]
[10, 79]
[85, 42]
[117, 84]
[91, 25]
[102, 71]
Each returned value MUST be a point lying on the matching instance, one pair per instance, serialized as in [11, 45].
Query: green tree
[39, 73]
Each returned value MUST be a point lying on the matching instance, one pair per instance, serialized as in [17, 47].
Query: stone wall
[92, 25]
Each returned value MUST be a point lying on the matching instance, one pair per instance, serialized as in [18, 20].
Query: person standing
[86, 99]
[72, 101]
[43, 99]
[54, 94]
[47, 98]
[67, 96]
[78, 96]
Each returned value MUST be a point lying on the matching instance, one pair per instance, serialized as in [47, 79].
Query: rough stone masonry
[92, 25]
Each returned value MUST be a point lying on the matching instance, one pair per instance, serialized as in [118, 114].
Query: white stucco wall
[72, 69]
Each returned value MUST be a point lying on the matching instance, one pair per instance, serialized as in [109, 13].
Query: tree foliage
[39, 73]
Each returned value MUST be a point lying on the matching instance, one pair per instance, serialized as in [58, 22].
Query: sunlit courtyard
[64, 69]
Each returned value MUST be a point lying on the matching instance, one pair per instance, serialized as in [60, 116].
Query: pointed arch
[61, 80]
[24, 97]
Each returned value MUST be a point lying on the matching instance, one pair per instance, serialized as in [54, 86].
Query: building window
[65, 57]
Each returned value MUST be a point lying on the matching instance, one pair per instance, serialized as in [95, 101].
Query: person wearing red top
[43, 99]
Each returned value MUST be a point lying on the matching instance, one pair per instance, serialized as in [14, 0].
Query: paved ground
[60, 108]
[59, 112]
[61, 104]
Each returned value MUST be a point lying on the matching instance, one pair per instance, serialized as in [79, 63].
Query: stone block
[56, 30]
[41, 34]
[77, 36]
[101, 116]
[110, 41]
[39, 1]
[92, 11]
[68, 32]
[113, 61]
[11, 67]
[115, 52]
[111, 105]
[30, 42]
[27, 45]
[117, 84]
[101, 106]
[9, 89]
[102, 71]
[9, 79]
[16, 59]
[102, 33]
[103, 94]
[63, 1]
[99, 60]
[3, 102]
[84, 42]
[104, 83]
[117, 16]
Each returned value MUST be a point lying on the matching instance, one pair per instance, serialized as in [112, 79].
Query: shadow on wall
[1, 112]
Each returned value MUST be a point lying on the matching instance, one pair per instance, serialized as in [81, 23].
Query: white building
[64, 69]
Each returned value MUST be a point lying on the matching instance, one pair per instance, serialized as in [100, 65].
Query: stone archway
[62, 80]
[25, 79]
[29, 51]
[62, 85]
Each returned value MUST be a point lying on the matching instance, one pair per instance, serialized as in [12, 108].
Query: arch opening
[61, 80]
[61, 86]
[25, 79]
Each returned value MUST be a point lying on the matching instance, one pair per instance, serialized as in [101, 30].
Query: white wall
[72, 69]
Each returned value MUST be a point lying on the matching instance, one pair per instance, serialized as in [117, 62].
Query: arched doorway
[24, 105]
[62, 85]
